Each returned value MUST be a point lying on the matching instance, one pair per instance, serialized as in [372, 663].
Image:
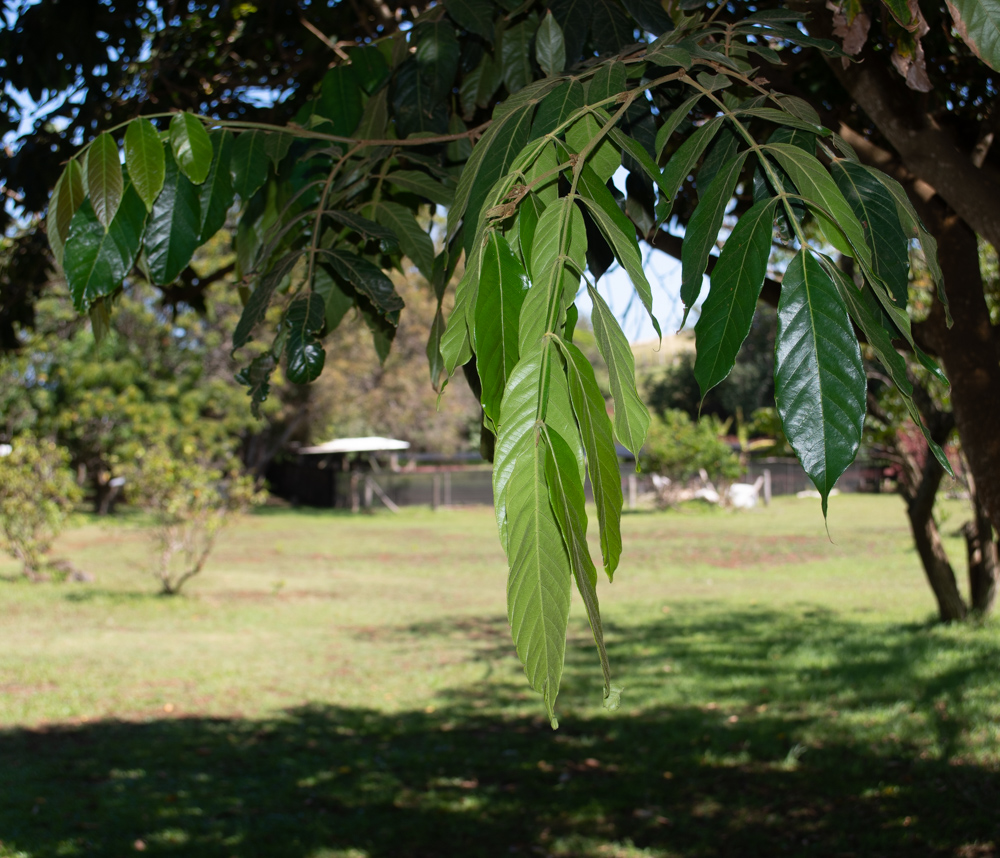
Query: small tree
[37, 493]
[191, 497]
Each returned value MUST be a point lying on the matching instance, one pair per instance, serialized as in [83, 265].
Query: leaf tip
[613, 697]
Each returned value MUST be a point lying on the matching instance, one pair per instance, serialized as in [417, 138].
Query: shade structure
[368, 444]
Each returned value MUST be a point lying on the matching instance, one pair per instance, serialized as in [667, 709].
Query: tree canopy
[523, 120]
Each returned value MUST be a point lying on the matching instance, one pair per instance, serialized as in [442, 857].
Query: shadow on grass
[784, 764]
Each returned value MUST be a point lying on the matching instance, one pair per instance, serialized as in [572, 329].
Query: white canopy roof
[371, 444]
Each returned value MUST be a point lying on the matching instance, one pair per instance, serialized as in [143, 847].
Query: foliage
[191, 493]
[37, 493]
[679, 448]
[329, 202]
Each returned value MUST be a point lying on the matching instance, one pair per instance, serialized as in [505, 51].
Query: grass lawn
[339, 686]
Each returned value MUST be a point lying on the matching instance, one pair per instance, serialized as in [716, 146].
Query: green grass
[343, 686]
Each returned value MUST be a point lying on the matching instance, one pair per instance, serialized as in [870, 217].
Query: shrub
[679, 447]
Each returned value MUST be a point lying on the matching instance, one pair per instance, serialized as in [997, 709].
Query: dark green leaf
[249, 163]
[611, 29]
[368, 229]
[144, 159]
[456, 341]
[435, 359]
[339, 101]
[367, 280]
[557, 107]
[67, 197]
[669, 56]
[382, 330]
[550, 50]
[277, 145]
[502, 287]
[369, 67]
[573, 16]
[781, 117]
[191, 146]
[421, 184]
[602, 458]
[703, 229]
[336, 301]
[682, 163]
[304, 353]
[876, 210]
[736, 283]
[476, 16]
[608, 81]
[631, 416]
[650, 15]
[257, 376]
[260, 299]
[96, 259]
[819, 380]
[722, 150]
[515, 55]
[215, 196]
[677, 116]
[104, 178]
[413, 240]
[174, 226]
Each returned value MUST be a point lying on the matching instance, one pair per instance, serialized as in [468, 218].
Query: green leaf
[249, 163]
[174, 226]
[608, 81]
[368, 229]
[515, 55]
[369, 67]
[819, 380]
[569, 505]
[67, 197]
[620, 233]
[96, 260]
[104, 178]
[528, 212]
[824, 198]
[383, 331]
[435, 360]
[631, 416]
[649, 15]
[573, 16]
[558, 258]
[144, 159]
[476, 16]
[682, 163]
[736, 283]
[602, 457]
[978, 23]
[782, 117]
[192, 146]
[538, 586]
[456, 341]
[557, 106]
[256, 306]
[276, 145]
[336, 301]
[605, 158]
[550, 49]
[703, 229]
[666, 131]
[215, 196]
[422, 185]
[876, 210]
[367, 280]
[413, 241]
[502, 287]
[611, 29]
[304, 352]
[339, 100]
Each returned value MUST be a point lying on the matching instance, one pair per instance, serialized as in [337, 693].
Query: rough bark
[983, 557]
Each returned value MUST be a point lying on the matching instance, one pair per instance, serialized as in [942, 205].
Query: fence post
[767, 486]
[436, 493]
[633, 491]
[447, 488]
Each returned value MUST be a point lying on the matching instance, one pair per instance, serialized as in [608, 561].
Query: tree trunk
[982, 552]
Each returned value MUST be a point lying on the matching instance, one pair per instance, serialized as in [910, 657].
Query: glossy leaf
[336, 301]
[368, 229]
[475, 15]
[573, 17]
[732, 299]
[620, 233]
[672, 123]
[815, 184]
[876, 210]
[304, 353]
[515, 55]
[557, 107]
[631, 415]
[703, 229]
[192, 146]
[422, 185]
[602, 457]
[67, 197]
[174, 226]
[550, 49]
[538, 586]
[144, 159]
[413, 240]
[259, 300]
[249, 163]
[682, 163]
[216, 196]
[96, 260]
[105, 184]
[502, 287]
[367, 280]
[820, 384]
[650, 15]
[456, 341]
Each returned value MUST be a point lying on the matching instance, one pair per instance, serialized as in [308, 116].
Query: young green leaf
[569, 505]
[144, 159]
[96, 260]
[550, 49]
[174, 226]
[736, 283]
[215, 196]
[104, 178]
[703, 229]
[249, 163]
[876, 210]
[538, 586]
[502, 287]
[620, 233]
[631, 415]
[192, 146]
[819, 380]
[602, 458]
